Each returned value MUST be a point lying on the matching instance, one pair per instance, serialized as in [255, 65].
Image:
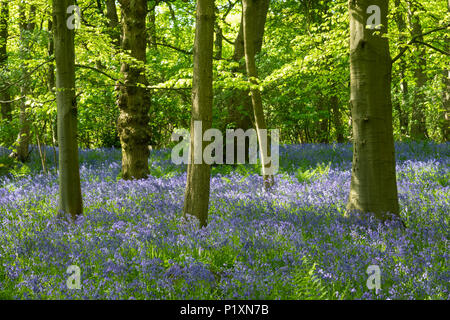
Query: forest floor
[291, 243]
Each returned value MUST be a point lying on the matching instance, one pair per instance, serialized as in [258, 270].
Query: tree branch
[415, 40]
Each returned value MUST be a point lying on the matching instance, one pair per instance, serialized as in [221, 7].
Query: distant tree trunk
[196, 199]
[373, 185]
[323, 123]
[50, 51]
[26, 28]
[5, 107]
[113, 22]
[134, 100]
[152, 28]
[337, 119]
[250, 8]
[240, 106]
[418, 121]
[445, 118]
[70, 201]
[218, 43]
[402, 107]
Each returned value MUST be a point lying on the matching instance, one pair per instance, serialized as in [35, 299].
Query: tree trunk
[250, 9]
[133, 99]
[240, 106]
[196, 199]
[70, 201]
[26, 28]
[5, 107]
[373, 184]
[445, 118]
[418, 123]
[337, 119]
[50, 51]
[152, 28]
[402, 107]
[113, 22]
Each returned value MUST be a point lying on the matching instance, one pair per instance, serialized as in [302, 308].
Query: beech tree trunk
[337, 118]
[113, 22]
[402, 107]
[418, 123]
[70, 201]
[50, 51]
[445, 118]
[373, 183]
[134, 100]
[152, 28]
[250, 9]
[5, 107]
[196, 201]
[27, 26]
[240, 106]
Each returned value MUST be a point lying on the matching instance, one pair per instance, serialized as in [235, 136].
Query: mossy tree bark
[445, 117]
[196, 201]
[5, 107]
[134, 100]
[70, 201]
[250, 13]
[26, 25]
[373, 183]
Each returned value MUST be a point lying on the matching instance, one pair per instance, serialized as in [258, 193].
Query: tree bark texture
[134, 99]
[250, 13]
[5, 107]
[418, 123]
[373, 183]
[196, 201]
[70, 201]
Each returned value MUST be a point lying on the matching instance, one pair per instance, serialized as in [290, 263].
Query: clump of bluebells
[291, 243]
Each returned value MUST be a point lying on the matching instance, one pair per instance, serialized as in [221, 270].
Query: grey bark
[196, 199]
[70, 201]
[373, 184]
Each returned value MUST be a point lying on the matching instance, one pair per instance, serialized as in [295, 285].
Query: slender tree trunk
[50, 52]
[402, 107]
[26, 28]
[445, 118]
[337, 119]
[373, 184]
[218, 43]
[240, 106]
[113, 22]
[5, 107]
[418, 123]
[323, 123]
[196, 199]
[250, 9]
[70, 201]
[152, 28]
[133, 99]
